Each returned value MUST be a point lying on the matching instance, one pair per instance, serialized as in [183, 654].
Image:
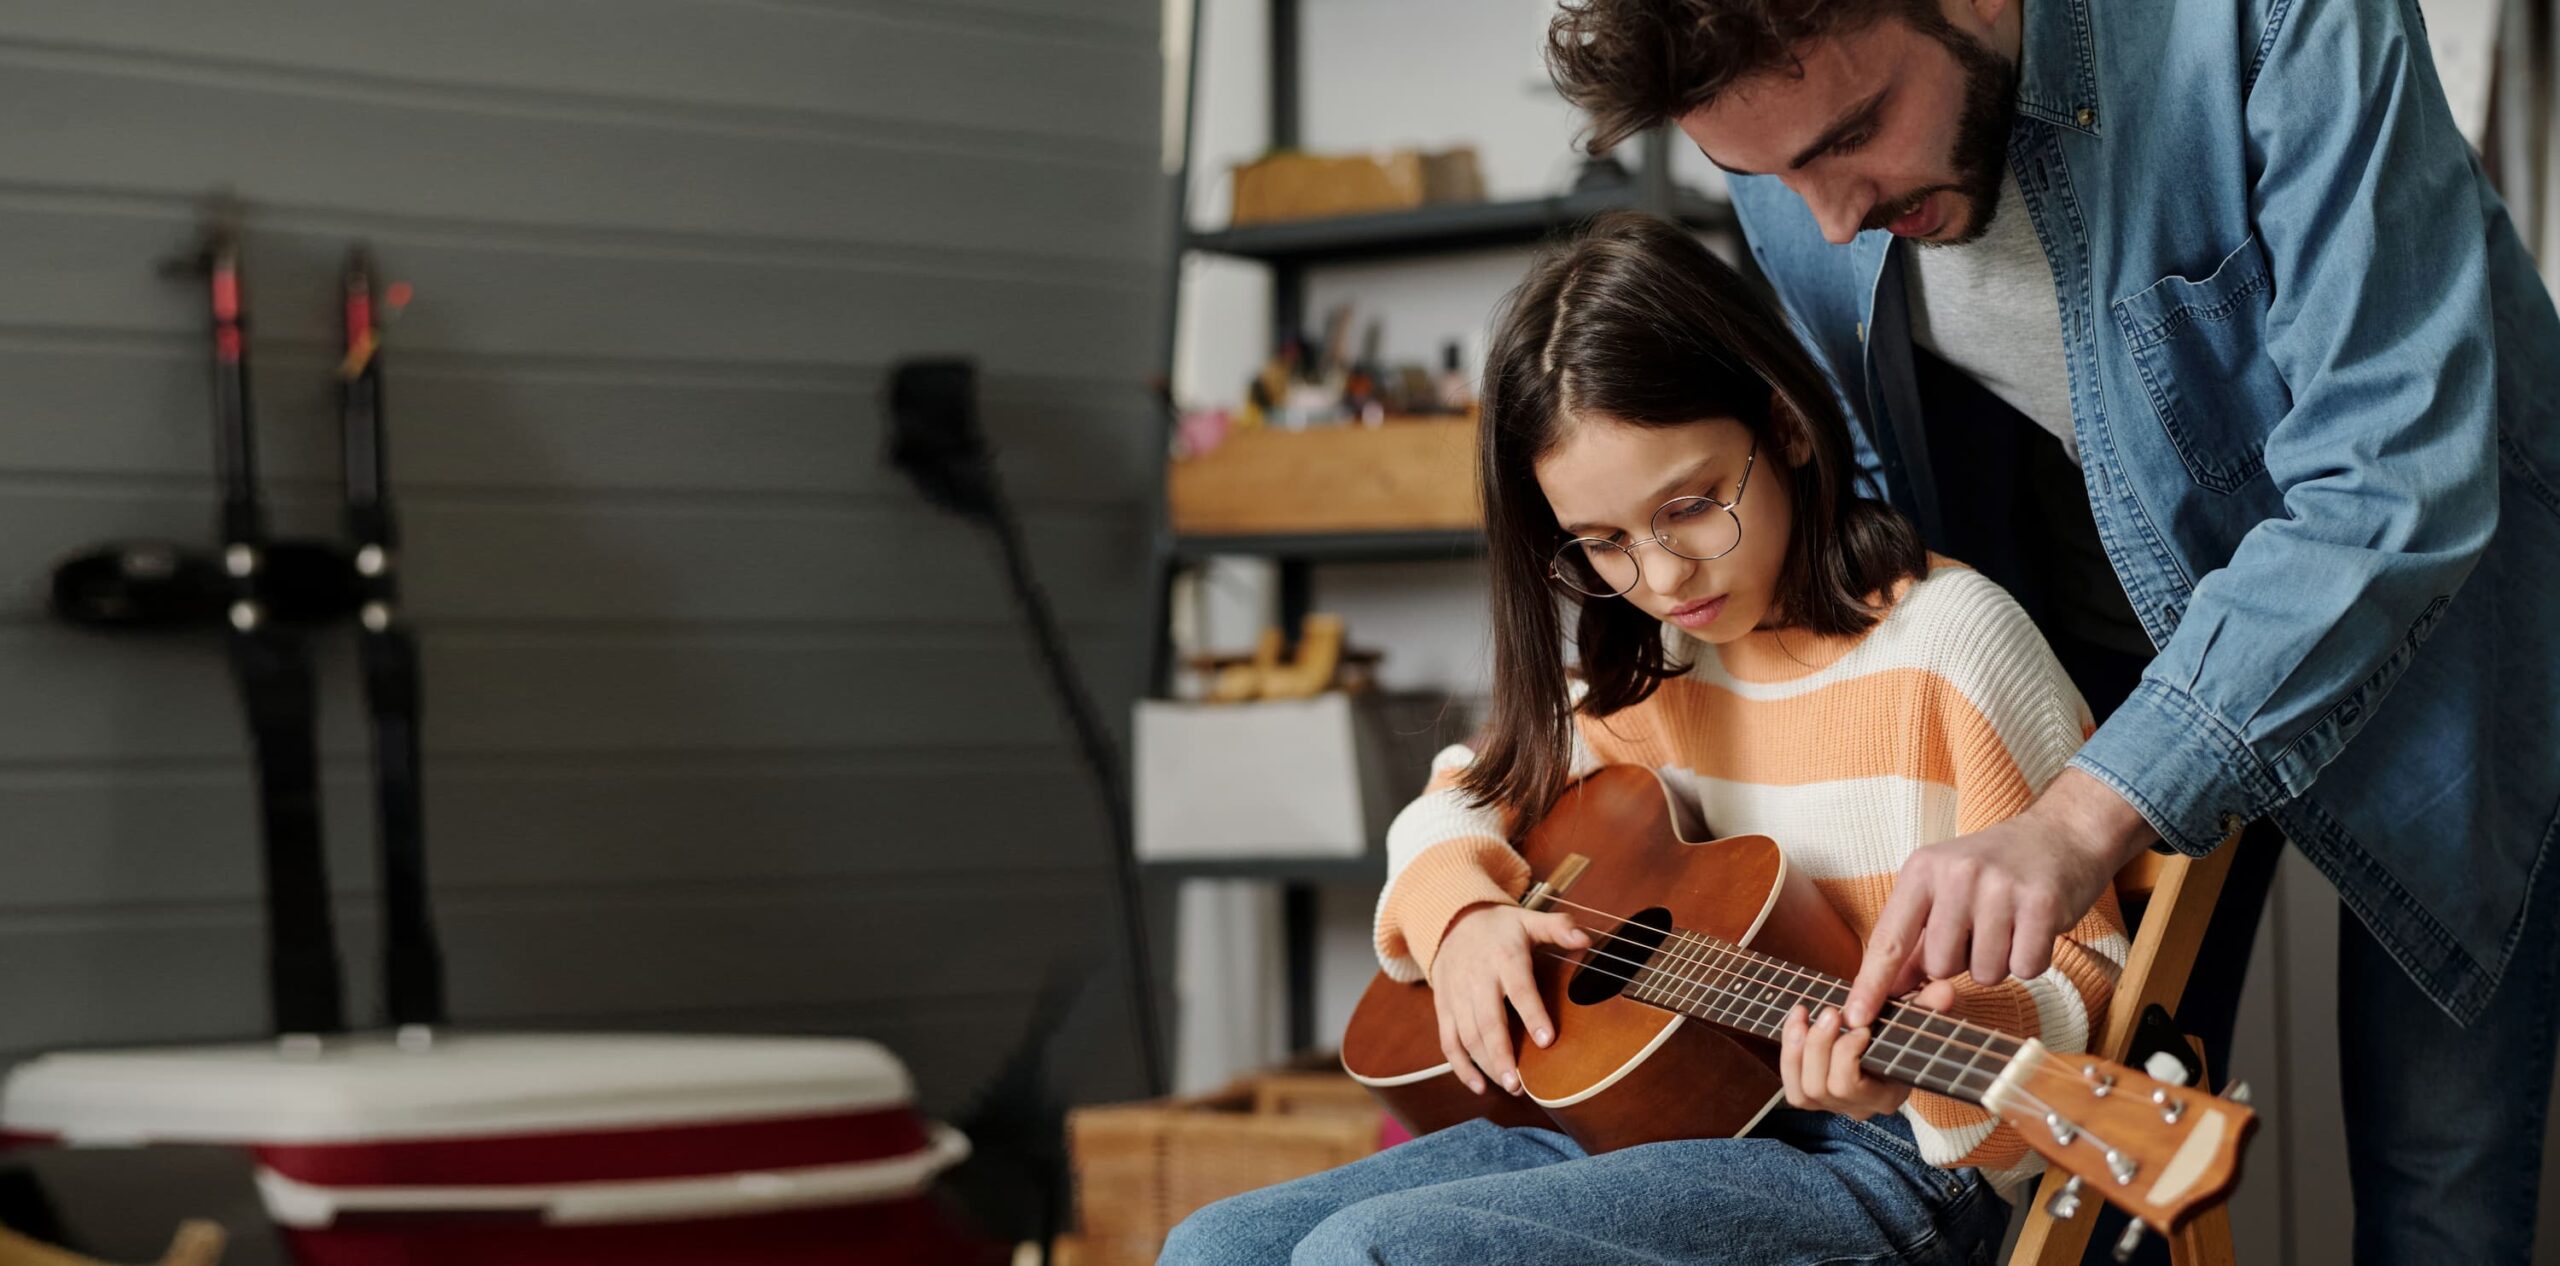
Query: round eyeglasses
[1695, 528]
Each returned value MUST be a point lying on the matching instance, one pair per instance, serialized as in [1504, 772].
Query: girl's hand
[1483, 960]
[1818, 1063]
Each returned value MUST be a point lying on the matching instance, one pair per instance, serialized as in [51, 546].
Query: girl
[1664, 464]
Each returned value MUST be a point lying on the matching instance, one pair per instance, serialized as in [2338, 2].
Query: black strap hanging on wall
[412, 966]
[272, 668]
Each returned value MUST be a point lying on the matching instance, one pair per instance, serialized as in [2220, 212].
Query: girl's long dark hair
[1637, 321]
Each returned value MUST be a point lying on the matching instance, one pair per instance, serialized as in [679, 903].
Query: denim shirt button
[2231, 824]
[2088, 117]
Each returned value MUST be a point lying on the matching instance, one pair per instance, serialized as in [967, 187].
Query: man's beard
[1981, 152]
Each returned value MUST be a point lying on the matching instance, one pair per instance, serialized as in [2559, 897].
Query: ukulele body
[1621, 1072]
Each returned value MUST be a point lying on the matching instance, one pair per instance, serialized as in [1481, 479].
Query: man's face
[1889, 128]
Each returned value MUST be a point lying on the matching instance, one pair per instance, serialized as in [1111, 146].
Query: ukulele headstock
[2160, 1151]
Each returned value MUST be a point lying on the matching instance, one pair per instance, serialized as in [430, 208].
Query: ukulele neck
[1728, 985]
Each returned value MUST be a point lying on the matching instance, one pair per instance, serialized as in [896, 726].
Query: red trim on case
[604, 1155]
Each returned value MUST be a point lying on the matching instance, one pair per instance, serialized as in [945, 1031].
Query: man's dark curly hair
[1633, 64]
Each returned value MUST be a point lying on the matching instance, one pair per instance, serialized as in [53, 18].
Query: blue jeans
[1802, 1188]
[2444, 1123]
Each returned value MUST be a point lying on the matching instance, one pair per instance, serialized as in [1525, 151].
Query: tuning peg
[2239, 1092]
[2129, 1241]
[2171, 1108]
[2101, 1082]
[2065, 1204]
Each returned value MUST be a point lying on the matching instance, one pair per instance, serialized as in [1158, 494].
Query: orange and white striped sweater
[1946, 716]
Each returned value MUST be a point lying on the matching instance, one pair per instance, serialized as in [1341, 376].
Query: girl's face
[1606, 479]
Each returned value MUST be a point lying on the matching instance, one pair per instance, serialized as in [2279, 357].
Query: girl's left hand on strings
[1818, 1063]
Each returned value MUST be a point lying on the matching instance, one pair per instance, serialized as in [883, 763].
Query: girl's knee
[1227, 1233]
[1357, 1235]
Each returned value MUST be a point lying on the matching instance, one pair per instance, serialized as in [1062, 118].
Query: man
[2230, 264]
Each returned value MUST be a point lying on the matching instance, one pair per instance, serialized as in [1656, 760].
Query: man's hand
[1994, 901]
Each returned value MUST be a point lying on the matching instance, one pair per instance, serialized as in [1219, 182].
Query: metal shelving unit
[1365, 868]
[1332, 547]
[1445, 228]
[1291, 249]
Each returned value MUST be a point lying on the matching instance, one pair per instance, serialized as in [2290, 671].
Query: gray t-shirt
[1987, 307]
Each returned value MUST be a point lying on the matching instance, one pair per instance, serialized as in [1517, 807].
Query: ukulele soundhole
[1607, 969]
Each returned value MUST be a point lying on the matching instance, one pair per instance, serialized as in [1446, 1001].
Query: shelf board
[1337, 547]
[1367, 868]
[1456, 226]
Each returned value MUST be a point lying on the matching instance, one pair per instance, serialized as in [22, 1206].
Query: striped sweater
[1946, 716]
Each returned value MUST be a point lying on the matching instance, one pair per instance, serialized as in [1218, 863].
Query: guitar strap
[271, 668]
[412, 965]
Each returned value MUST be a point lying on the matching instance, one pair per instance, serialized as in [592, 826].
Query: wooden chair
[198, 1243]
[2174, 897]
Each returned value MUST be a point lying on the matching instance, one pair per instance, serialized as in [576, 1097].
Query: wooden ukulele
[1727, 933]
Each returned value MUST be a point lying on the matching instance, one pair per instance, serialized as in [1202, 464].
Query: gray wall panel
[76, 977]
[110, 125]
[636, 558]
[1083, 78]
[103, 837]
[78, 699]
[87, 264]
[135, 405]
[725, 727]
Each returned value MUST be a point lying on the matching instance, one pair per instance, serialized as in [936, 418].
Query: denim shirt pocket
[2201, 348]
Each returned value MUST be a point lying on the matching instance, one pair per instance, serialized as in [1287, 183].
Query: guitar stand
[2178, 896]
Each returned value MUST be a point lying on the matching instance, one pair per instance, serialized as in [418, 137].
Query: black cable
[934, 437]
[1102, 759]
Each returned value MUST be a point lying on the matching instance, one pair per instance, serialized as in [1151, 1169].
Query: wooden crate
[1314, 1094]
[1142, 1167]
[1410, 475]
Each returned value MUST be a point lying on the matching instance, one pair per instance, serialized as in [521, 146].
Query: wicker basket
[1142, 1167]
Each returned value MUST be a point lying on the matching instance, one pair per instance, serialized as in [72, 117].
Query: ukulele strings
[1955, 1084]
[2023, 1095]
[2020, 1092]
[1794, 991]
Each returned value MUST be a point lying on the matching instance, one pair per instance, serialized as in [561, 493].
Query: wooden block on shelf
[1302, 186]
[1408, 475]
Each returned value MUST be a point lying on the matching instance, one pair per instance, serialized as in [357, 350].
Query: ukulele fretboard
[1722, 983]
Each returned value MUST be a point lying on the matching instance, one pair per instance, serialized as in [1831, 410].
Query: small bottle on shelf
[1457, 391]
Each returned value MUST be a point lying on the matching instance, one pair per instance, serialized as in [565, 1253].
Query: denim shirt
[2315, 381]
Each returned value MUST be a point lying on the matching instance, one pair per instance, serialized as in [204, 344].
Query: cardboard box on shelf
[1317, 777]
[1299, 186]
[1404, 476]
